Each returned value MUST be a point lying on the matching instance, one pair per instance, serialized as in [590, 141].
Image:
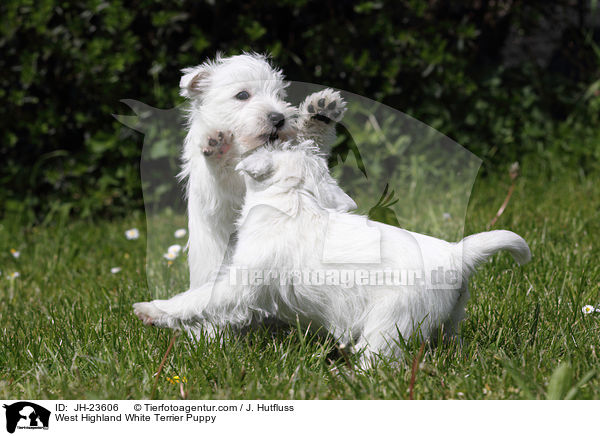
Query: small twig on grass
[415, 368]
[162, 364]
[513, 172]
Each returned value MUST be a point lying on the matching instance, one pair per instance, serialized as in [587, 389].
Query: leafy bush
[65, 66]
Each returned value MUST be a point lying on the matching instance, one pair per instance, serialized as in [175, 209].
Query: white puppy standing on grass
[283, 228]
[245, 96]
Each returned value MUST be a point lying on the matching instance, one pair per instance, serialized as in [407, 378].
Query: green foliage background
[64, 66]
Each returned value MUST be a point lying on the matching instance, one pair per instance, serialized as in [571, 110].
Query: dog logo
[26, 415]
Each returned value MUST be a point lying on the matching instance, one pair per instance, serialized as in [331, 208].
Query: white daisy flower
[15, 253]
[180, 233]
[132, 234]
[170, 255]
[115, 269]
[175, 249]
[13, 275]
[587, 309]
[597, 309]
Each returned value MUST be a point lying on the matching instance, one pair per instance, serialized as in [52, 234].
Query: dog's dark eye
[242, 95]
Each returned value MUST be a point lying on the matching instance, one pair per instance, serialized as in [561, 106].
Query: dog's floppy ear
[259, 166]
[194, 80]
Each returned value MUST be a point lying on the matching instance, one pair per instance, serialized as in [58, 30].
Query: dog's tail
[478, 247]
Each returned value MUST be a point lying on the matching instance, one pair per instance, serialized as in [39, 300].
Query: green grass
[68, 330]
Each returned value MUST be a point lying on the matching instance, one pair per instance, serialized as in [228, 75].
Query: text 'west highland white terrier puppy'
[245, 97]
[299, 261]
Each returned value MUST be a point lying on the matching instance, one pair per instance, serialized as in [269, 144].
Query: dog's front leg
[217, 304]
[183, 308]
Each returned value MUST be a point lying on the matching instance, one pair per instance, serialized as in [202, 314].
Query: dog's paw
[326, 106]
[217, 144]
[148, 313]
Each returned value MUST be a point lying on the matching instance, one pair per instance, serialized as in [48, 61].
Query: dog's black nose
[277, 119]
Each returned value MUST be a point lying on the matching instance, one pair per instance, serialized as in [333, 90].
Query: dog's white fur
[283, 226]
[214, 190]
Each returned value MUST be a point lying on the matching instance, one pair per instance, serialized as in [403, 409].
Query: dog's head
[243, 94]
[290, 168]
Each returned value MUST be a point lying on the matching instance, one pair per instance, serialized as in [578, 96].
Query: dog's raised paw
[325, 106]
[147, 312]
[217, 144]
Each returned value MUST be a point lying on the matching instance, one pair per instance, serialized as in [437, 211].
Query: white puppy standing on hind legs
[284, 229]
[245, 96]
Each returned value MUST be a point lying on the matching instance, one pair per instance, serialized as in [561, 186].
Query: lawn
[68, 330]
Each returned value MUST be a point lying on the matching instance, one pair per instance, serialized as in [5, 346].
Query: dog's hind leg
[452, 325]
